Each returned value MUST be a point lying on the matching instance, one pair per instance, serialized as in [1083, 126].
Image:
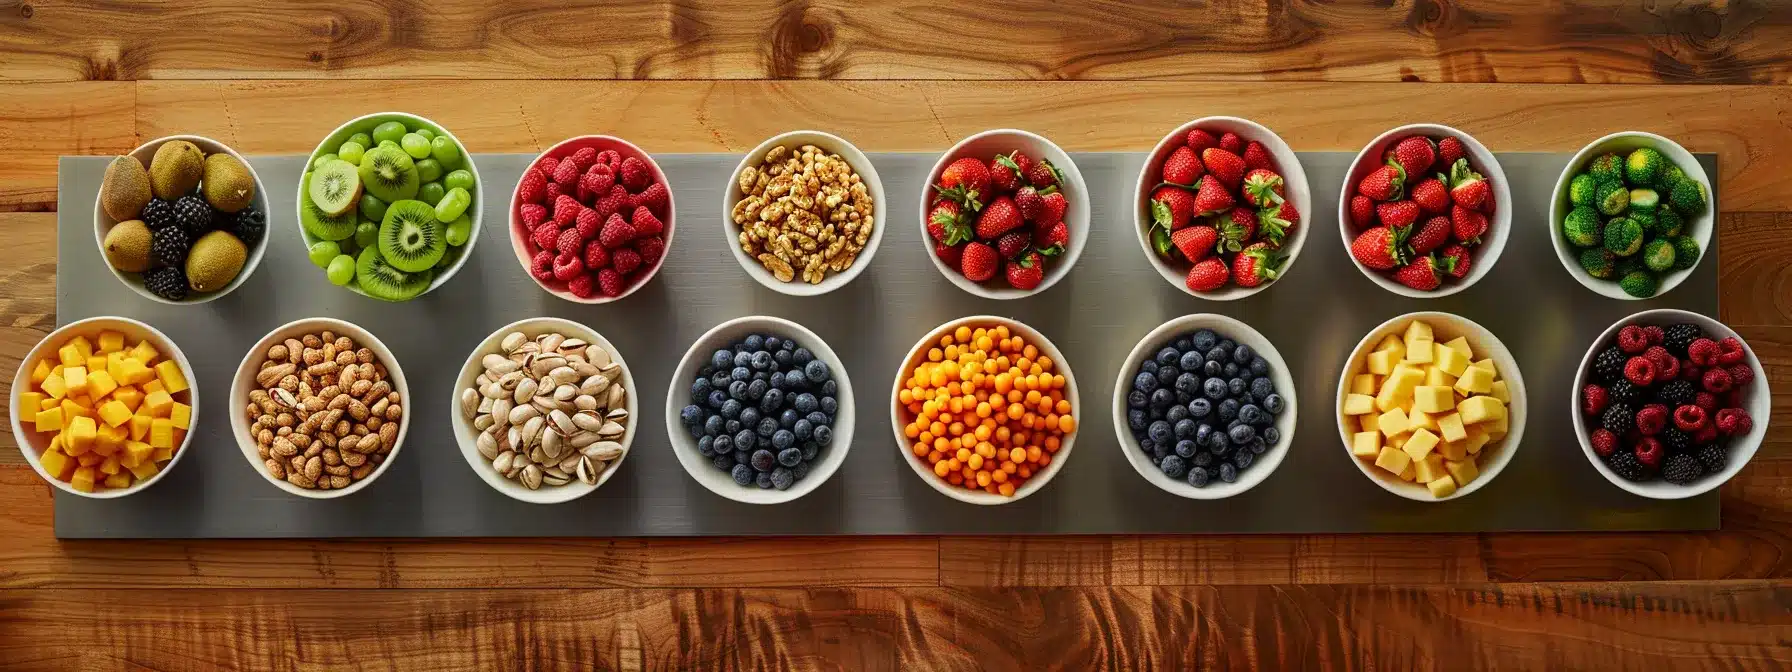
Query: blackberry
[169, 245]
[1609, 365]
[1681, 469]
[1675, 440]
[1625, 392]
[1625, 465]
[157, 214]
[193, 214]
[168, 282]
[1618, 419]
[249, 225]
[1713, 457]
[1677, 337]
[1677, 393]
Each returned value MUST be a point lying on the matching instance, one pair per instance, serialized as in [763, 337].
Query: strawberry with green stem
[1256, 264]
[965, 181]
[1381, 248]
[1278, 222]
[1263, 187]
[1420, 274]
[948, 223]
[1237, 228]
[1182, 168]
[1051, 239]
[1467, 187]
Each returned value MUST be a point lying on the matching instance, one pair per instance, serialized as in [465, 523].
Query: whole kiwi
[176, 169]
[228, 185]
[127, 246]
[214, 261]
[125, 189]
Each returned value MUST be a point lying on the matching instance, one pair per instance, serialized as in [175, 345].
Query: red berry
[1652, 419]
[1593, 399]
[979, 262]
[570, 242]
[609, 157]
[1631, 339]
[1689, 418]
[634, 174]
[645, 223]
[656, 198]
[1689, 371]
[616, 232]
[596, 255]
[1706, 435]
[584, 158]
[1362, 211]
[1649, 452]
[588, 224]
[532, 215]
[545, 236]
[1730, 351]
[610, 282]
[1639, 371]
[1705, 400]
[533, 186]
[651, 250]
[1666, 367]
[583, 286]
[596, 182]
[566, 209]
[1734, 422]
[567, 176]
[948, 254]
[1741, 375]
[1655, 334]
[552, 192]
[548, 165]
[568, 265]
[1604, 442]
[1199, 139]
[1703, 352]
[1230, 142]
[1716, 381]
[542, 266]
[625, 260]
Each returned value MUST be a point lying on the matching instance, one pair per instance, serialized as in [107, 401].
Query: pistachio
[512, 341]
[542, 402]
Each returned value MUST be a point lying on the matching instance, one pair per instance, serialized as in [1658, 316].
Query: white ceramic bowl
[1227, 328]
[466, 435]
[32, 444]
[245, 382]
[525, 248]
[103, 222]
[725, 335]
[986, 146]
[1499, 223]
[1759, 405]
[925, 470]
[1621, 143]
[1445, 326]
[867, 174]
[365, 124]
[1287, 164]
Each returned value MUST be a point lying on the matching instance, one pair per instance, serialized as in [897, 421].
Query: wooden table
[86, 77]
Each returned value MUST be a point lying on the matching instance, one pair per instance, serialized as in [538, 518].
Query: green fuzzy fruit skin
[319, 224]
[1686, 252]
[1647, 220]
[1669, 223]
[1623, 237]
[411, 224]
[1581, 227]
[1643, 165]
[1597, 262]
[1658, 255]
[1582, 189]
[1639, 283]
[389, 174]
[1612, 198]
[380, 280]
[1606, 168]
[1644, 199]
[1688, 197]
[1670, 176]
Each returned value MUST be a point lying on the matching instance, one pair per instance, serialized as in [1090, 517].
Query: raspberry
[1652, 419]
[532, 187]
[584, 158]
[616, 232]
[625, 260]
[1604, 442]
[568, 266]
[656, 198]
[596, 181]
[1639, 371]
[1740, 375]
[532, 214]
[546, 236]
[610, 282]
[1689, 418]
[645, 223]
[1729, 351]
[1705, 400]
[1649, 452]
[611, 203]
[566, 210]
[1660, 357]
[583, 286]
[609, 157]
[548, 165]
[596, 255]
[1716, 381]
[1703, 352]
[542, 266]
[566, 175]
[1690, 371]
[1593, 399]
[1734, 422]
[553, 192]
[1706, 435]
[634, 174]
[1631, 339]
[588, 224]
[651, 250]
[569, 242]
[1654, 334]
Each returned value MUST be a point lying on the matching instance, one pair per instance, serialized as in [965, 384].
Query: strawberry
[566, 210]
[583, 286]
[545, 236]
[1172, 207]
[948, 254]
[645, 223]
[1195, 242]
[588, 224]
[1467, 187]
[966, 181]
[1043, 174]
[1182, 167]
[532, 215]
[1262, 187]
[1230, 142]
[542, 265]
[1003, 173]
[1413, 154]
[625, 260]
[1012, 243]
[999, 217]
[611, 283]
[596, 181]
[947, 223]
[634, 175]
[1051, 239]
[979, 262]
[1237, 229]
[650, 249]
[567, 264]
[1212, 198]
[1362, 211]
[1026, 272]
[566, 174]
[1382, 184]
[533, 186]
[1449, 151]
[656, 198]
[1432, 196]
[1030, 203]
[1469, 225]
[1022, 163]
[1209, 274]
[596, 255]
[1256, 264]
[1421, 274]
[1430, 235]
[616, 232]
[1379, 248]
[1257, 157]
[1200, 140]
[1055, 205]
[1278, 222]
[1398, 213]
[1224, 165]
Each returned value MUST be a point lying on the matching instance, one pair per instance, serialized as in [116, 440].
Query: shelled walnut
[803, 213]
[324, 412]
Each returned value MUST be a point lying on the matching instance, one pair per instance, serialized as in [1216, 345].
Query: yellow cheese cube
[1397, 389]
[1393, 423]
[81, 433]
[1439, 378]
[136, 373]
[1474, 380]
[1394, 461]
[131, 397]
[1487, 363]
[1382, 363]
[1358, 404]
[161, 433]
[172, 379]
[29, 401]
[48, 404]
[1451, 361]
[110, 465]
[1497, 389]
[111, 341]
[83, 479]
[49, 420]
[1477, 438]
[1419, 352]
[135, 453]
[1363, 383]
[1460, 344]
[1433, 399]
[1441, 488]
[1430, 469]
[1408, 473]
[119, 480]
[1392, 342]
[1417, 330]
[56, 464]
[144, 470]
[145, 353]
[1399, 442]
[1479, 409]
[1463, 471]
[115, 413]
[55, 386]
[163, 454]
[40, 372]
[1495, 428]
[1366, 444]
[139, 427]
[1369, 423]
[74, 380]
[100, 384]
[1420, 444]
[1453, 450]
[151, 387]
[181, 414]
[1417, 420]
[1449, 426]
[70, 355]
[159, 404]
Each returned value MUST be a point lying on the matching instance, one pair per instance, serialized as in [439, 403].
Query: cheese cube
[1393, 423]
[1420, 444]
[161, 433]
[144, 470]
[1460, 344]
[1394, 461]
[1497, 389]
[70, 355]
[1487, 363]
[1363, 383]
[111, 341]
[1365, 444]
[136, 453]
[1450, 427]
[1430, 469]
[135, 373]
[1399, 442]
[49, 420]
[1495, 428]
[1453, 450]
[1479, 409]
[1451, 361]
[1477, 437]
[1463, 471]
[40, 372]
[159, 404]
[1397, 389]
[145, 353]
[114, 413]
[119, 480]
[1418, 330]
[139, 427]
[131, 397]
[1474, 380]
[74, 380]
[1382, 363]
[100, 383]
[83, 479]
[170, 374]
[1370, 422]
[1438, 377]
[1358, 404]
[1417, 420]
[182, 415]
[56, 464]
[81, 433]
[1441, 488]
[28, 401]
[55, 387]
[1419, 352]
[1408, 473]
[1433, 399]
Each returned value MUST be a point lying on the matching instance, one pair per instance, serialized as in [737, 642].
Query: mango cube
[96, 363]
[109, 440]
[111, 341]
[89, 459]
[56, 464]
[1397, 389]
[1363, 383]
[1474, 380]
[81, 434]
[1417, 420]
[49, 420]
[119, 480]
[1408, 473]
[1394, 461]
[72, 408]
[110, 465]
[145, 353]
[1479, 409]
[181, 414]
[1420, 444]
[28, 401]
[55, 387]
[48, 404]
[144, 470]
[139, 426]
[83, 479]
[40, 372]
[1460, 344]
[1417, 330]
[82, 345]
[136, 373]
[1419, 352]
[74, 380]
[1477, 438]
[100, 384]
[1438, 377]
[135, 452]
[1393, 423]
[1430, 469]
[1370, 422]
[1450, 427]
[1358, 404]
[115, 413]
[161, 433]
[159, 404]
[70, 355]
[1495, 428]
[1365, 444]
[1382, 362]
[1450, 360]
[163, 454]
[1399, 442]
[1392, 342]
[151, 387]
[1441, 488]
[131, 397]
[1486, 363]
[1433, 399]
[1463, 471]
[1498, 390]
[170, 374]
[1453, 450]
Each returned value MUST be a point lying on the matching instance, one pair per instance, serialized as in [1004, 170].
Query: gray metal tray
[1314, 314]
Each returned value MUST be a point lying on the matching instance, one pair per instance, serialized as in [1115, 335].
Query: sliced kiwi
[335, 188]
[389, 174]
[410, 237]
[381, 281]
[321, 224]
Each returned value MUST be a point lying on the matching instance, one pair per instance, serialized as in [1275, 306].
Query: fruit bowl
[920, 465]
[33, 444]
[1757, 400]
[465, 433]
[1699, 228]
[352, 268]
[245, 381]
[1286, 162]
[677, 396]
[1493, 242]
[104, 222]
[833, 144]
[988, 144]
[526, 248]
[1446, 326]
[1241, 333]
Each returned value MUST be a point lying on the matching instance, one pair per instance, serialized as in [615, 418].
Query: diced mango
[89, 459]
[161, 433]
[1391, 342]
[55, 387]
[1393, 460]
[139, 426]
[1393, 423]
[1370, 422]
[84, 478]
[111, 341]
[1365, 444]
[163, 454]
[82, 432]
[1397, 389]
[119, 480]
[1477, 438]
[110, 465]
[40, 372]
[170, 374]
[1479, 409]
[1449, 426]
[159, 404]
[136, 373]
[96, 363]
[130, 396]
[1453, 450]
[1358, 404]
[1382, 362]
[1417, 330]
[49, 420]
[70, 355]
[1464, 471]
[181, 414]
[145, 353]
[1487, 363]
[1399, 442]
[82, 345]
[100, 384]
[1417, 420]
[1420, 444]
[115, 413]
[151, 387]
[1450, 360]
[1441, 488]
[1363, 383]
[1433, 399]
[74, 380]
[144, 470]
[1495, 428]
[1438, 377]
[1408, 473]
[72, 409]
[1430, 469]
[1460, 344]
[48, 404]
[56, 464]
[135, 452]
[109, 440]
[1497, 389]
[1475, 381]
[1419, 352]
[115, 365]
[28, 401]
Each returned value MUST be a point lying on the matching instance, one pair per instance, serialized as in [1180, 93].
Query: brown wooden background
[94, 77]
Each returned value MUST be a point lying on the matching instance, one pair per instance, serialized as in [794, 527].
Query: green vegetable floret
[1648, 220]
[1612, 198]
[1623, 237]
[1643, 165]
[1582, 189]
[1669, 223]
[1597, 263]
[1686, 252]
[1640, 284]
[1670, 176]
[1606, 168]
[1658, 255]
[1644, 199]
[1581, 227]
[1688, 197]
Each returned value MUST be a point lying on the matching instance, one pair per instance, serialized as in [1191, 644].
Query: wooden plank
[1606, 41]
[39, 122]
[1755, 268]
[1518, 626]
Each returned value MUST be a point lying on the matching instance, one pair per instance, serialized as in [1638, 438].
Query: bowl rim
[520, 244]
[1760, 397]
[1078, 217]
[860, 163]
[1508, 444]
[684, 448]
[1500, 222]
[102, 225]
[1284, 155]
[1039, 480]
[239, 396]
[464, 433]
[21, 381]
[1703, 227]
[1231, 328]
[477, 207]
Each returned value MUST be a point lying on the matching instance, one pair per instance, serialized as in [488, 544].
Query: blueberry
[773, 400]
[1136, 399]
[1162, 399]
[742, 456]
[743, 474]
[1275, 404]
[1157, 413]
[762, 377]
[1259, 366]
[767, 427]
[773, 343]
[1214, 389]
[714, 425]
[795, 380]
[722, 359]
[1185, 429]
[802, 357]
[783, 478]
[1271, 436]
[1257, 445]
[737, 389]
[731, 409]
[1188, 383]
[1242, 354]
[1242, 434]
[1167, 357]
[763, 460]
[690, 415]
[1198, 477]
[830, 387]
[1185, 448]
[753, 342]
[749, 417]
[1148, 366]
[762, 361]
[1212, 368]
[1146, 446]
[1228, 344]
[1218, 445]
[1251, 415]
[1145, 382]
[1200, 408]
[1173, 466]
[700, 389]
[1182, 398]
[1137, 419]
[1191, 361]
[788, 418]
[733, 426]
[1228, 410]
[806, 403]
[1202, 458]
[1236, 386]
[1262, 388]
[823, 435]
[1160, 431]
[756, 389]
[776, 379]
[706, 445]
[1159, 452]
[829, 405]
[724, 445]
[1204, 339]
[741, 373]
[803, 429]
[781, 359]
[788, 455]
[720, 379]
[811, 449]
[799, 471]
[1166, 376]
[742, 359]
[1230, 370]
[745, 440]
[1177, 413]
[696, 431]
[1228, 473]
[717, 398]
[764, 480]
[819, 419]
[1243, 459]
[816, 370]
[1181, 344]
[723, 460]
[1202, 431]
[1218, 354]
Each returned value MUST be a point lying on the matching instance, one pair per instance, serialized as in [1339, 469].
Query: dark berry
[763, 479]
[193, 214]
[783, 478]
[1244, 458]
[1214, 389]
[1190, 361]
[170, 244]
[1676, 393]
[1186, 448]
[1675, 440]
[1682, 469]
[1677, 338]
[249, 225]
[1713, 458]
[1198, 476]
[1145, 382]
[1228, 472]
[1624, 464]
[1199, 408]
[816, 371]
[1275, 404]
[157, 214]
[1608, 367]
[1241, 434]
[1270, 435]
[1173, 466]
[1261, 388]
[1618, 419]
[743, 474]
[1623, 391]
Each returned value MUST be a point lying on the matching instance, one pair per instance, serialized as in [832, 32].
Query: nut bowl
[526, 249]
[245, 382]
[584, 478]
[1699, 227]
[731, 196]
[33, 444]
[986, 146]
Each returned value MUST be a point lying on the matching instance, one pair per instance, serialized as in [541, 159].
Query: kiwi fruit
[127, 246]
[227, 184]
[214, 261]
[411, 239]
[125, 189]
[335, 188]
[175, 170]
[380, 280]
[389, 174]
[321, 224]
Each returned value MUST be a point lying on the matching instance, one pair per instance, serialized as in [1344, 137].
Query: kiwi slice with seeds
[389, 174]
[335, 187]
[411, 239]
[380, 280]
[320, 224]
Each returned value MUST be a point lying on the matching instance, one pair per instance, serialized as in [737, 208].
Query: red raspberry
[553, 192]
[1689, 418]
[1730, 351]
[1604, 442]
[532, 215]
[610, 282]
[542, 266]
[611, 203]
[568, 266]
[1703, 352]
[584, 158]
[588, 224]
[1735, 399]
[569, 242]
[1632, 340]
[1740, 375]
[1652, 419]
[645, 223]
[1706, 435]
[1667, 369]
[1655, 334]
[596, 182]
[1716, 381]
[952, 255]
[656, 198]
[1734, 422]
[625, 260]
[1660, 357]
[1593, 399]
[548, 165]
[616, 232]
[532, 187]
[567, 175]
[566, 209]
[584, 286]
[1705, 400]
[596, 255]
[651, 250]
[1639, 371]
[609, 157]
[634, 174]
[546, 236]
[1689, 371]
[1649, 452]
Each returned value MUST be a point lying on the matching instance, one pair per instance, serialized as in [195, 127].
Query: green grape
[452, 205]
[323, 251]
[428, 170]
[391, 143]
[351, 152]
[341, 270]
[372, 208]
[323, 159]
[426, 133]
[450, 256]
[361, 139]
[459, 230]
[366, 234]
[445, 151]
[414, 145]
[459, 179]
[391, 130]
[431, 192]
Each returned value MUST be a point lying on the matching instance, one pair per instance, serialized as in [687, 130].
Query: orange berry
[934, 354]
[1032, 454]
[983, 410]
[982, 432]
[1015, 411]
[983, 478]
[1017, 455]
[1044, 362]
[1024, 471]
[1052, 443]
[945, 340]
[962, 333]
[941, 468]
[911, 431]
[1066, 424]
[1063, 406]
[974, 460]
[1045, 459]
[1031, 352]
[1006, 489]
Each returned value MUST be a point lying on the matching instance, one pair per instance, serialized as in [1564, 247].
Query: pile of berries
[593, 221]
[1221, 205]
[1665, 401]
[1423, 228]
[1005, 215]
[1204, 408]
